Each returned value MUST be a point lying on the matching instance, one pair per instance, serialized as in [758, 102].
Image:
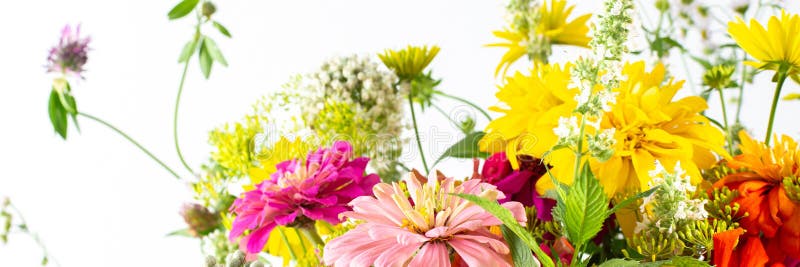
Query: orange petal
[724, 244]
[752, 253]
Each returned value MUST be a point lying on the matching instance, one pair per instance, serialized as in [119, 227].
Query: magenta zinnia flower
[71, 53]
[518, 185]
[420, 226]
[300, 193]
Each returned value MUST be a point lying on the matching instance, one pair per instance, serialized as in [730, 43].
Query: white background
[96, 200]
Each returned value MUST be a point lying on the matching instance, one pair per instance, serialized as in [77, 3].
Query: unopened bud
[208, 9]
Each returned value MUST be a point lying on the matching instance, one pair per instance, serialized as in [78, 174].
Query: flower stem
[24, 228]
[177, 104]
[741, 88]
[286, 242]
[579, 152]
[781, 78]
[311, 234]
[446, 115]
[416, 133]
[465, 102]
[728, 134]
[120, 132]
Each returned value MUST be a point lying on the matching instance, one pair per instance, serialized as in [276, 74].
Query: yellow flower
[649, 125]
[533, 105]
[776, 47]
[234, 144]
[410, 62]
[550, 28]
[280, 151]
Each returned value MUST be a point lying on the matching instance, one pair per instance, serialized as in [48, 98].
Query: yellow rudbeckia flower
[649, 125]
[551, 26]
[409, 62]
[533, 105]
[776, 47]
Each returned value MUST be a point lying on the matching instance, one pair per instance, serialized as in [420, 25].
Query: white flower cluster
[670, 206]
[350, 98]
[568, 131]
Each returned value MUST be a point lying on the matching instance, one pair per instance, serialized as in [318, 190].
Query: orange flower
[773, 215]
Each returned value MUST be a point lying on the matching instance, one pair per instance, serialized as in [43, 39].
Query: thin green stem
[741, 87]
[575, 259]
[126, 136]
[177, 104]
[728, 134]
[25, 228]
[579, 152]
[781, 78]
[465, 102]
[286, 242]
[445, 115]
[311, 234]
[416, 133]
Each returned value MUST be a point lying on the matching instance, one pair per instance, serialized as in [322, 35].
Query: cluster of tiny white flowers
[601, 145]
[361, 85]
[670, 206]
[567, 131]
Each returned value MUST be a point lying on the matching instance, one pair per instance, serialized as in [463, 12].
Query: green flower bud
[208, 9]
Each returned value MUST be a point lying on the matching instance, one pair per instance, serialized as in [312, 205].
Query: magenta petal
[286, 219]
[544, 207]
[258, 238]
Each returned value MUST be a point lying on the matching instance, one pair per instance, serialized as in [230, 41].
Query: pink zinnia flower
[300, 193]
[70, 54]
[420, 227]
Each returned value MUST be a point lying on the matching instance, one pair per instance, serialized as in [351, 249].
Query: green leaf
[45, 261]
[180, 232]
[520, 252]
[222, 29]
[465, 148]
[182, 9]
[214, 51]
[505, 216]
[205, 60]
[188, 51]
[72, 110]
[585, 208]
[619, 263]
[58, 115]
[630, 200]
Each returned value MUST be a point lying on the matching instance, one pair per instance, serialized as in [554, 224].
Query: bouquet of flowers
[599, 161]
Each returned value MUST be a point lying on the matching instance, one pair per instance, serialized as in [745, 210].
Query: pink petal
[398, 256]
[477, 254]
[432, 254]
[492, 241]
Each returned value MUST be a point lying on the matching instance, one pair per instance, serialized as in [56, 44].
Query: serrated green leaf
[505, 216]
[520, 253]
[206, 61]
[58, 115]
[214, 51]
[792, 96]
[182, 9]
[465, 148]
[188, 51]
[619, 263]
[585, 208]
[221, 29]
